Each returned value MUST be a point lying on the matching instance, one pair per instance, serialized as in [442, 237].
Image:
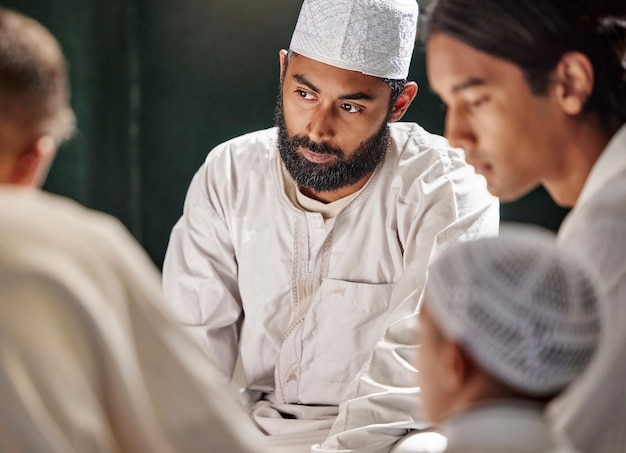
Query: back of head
[34, 95]
[534, 35]
[524, 310]
[375, 37]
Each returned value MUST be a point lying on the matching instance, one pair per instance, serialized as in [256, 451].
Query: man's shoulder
[247, 159]
[412, 140]
[408, 131]
[25, 204]
[253, 145]
[58, 226]
[416, 152]
[424, 166]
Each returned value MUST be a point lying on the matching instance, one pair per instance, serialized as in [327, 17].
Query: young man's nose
[458, 131]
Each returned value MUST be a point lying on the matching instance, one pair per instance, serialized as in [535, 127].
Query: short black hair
[33, 78]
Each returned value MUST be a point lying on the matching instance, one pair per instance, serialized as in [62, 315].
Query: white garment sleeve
[382, 404]
[200, 271]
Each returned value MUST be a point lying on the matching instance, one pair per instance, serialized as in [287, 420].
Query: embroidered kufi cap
[526, 311]
[375, 37]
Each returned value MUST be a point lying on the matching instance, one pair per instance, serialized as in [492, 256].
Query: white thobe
[89, 361]
[500, 426]
[303, 296]
[593, 411]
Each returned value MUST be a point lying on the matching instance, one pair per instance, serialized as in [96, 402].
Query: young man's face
[509, 134]
[332, 125]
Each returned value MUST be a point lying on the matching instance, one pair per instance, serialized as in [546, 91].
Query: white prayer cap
[375, 37]
[524, 310]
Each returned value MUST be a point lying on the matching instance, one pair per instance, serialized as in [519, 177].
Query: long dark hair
[534, 35]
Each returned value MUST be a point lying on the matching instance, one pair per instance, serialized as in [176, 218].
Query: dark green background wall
[156, 84]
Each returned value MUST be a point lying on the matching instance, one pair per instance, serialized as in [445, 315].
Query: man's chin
[509, 194]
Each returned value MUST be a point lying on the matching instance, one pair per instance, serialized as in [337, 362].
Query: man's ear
[574, 82]
[460, 368]
[31, 165]
[282, 55]
[404, 101]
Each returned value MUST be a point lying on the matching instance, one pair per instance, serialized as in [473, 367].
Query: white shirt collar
[611, 162]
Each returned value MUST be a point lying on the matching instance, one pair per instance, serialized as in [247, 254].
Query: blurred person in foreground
[518, 324]
[293, 239]
[536, 94]
[90, 361]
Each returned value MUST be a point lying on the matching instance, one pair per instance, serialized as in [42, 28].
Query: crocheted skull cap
[526, 311]
[375, 37]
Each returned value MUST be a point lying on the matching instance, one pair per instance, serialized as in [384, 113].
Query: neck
[580, 148]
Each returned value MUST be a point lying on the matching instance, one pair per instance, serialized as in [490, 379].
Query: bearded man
[292, 239]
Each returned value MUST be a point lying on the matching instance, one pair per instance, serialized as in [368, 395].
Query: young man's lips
[315, 157]
[481, 168]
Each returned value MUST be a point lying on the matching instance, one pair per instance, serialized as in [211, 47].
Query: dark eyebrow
[304, 81]
[470, 83]
[358, 96]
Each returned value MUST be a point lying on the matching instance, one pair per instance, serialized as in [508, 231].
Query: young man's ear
[404, 101]
[461, 367]
[574, 82]
[454, 366]
[32, 163]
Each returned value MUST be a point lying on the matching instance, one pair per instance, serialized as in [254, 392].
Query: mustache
[301, 141]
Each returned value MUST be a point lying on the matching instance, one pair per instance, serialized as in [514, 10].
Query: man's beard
[332, 176]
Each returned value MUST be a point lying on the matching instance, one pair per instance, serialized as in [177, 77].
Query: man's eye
[305, 94]
[351, 108]
[474, 103]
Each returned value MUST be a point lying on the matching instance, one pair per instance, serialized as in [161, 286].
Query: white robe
[89, 362]
[305, 298]
[593, 411]
[500, 426]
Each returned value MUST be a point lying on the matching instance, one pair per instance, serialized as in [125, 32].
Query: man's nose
[458, 130]
[321, 124]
